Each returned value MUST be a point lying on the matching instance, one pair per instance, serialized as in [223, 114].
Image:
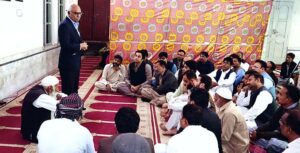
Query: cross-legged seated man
[165, 82]
[139, 73]
[113, 74]
[127, 120]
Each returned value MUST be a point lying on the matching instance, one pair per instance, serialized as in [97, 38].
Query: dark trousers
[69, 81]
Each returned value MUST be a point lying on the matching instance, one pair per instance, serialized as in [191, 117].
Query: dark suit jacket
[105, 145]
[271, 128]
[69, 39]
[284, 73]
[169, 83]
[212, 123]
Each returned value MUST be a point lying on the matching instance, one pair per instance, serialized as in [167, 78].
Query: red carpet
[113, 107]
[14, 110]
[101, 128]
[12, 137]
[104, 116]
[106, 92]
[124, 99]
[4, 149]
[10, 121]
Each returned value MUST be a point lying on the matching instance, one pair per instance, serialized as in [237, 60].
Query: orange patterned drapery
[220, 27]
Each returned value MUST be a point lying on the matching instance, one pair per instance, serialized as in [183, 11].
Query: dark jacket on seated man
[168, 83]
[272, 128]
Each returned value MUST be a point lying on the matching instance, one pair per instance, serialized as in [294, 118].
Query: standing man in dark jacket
[71, 50]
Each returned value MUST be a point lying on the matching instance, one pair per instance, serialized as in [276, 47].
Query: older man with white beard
[39, 105]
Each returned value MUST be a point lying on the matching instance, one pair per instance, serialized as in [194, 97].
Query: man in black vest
[261, 106]
[37, 106]
[170, 65]
[139, 73]
[165, 82]
[288, 99]
[223, 77]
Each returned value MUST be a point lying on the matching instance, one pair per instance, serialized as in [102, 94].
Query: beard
[53, 93]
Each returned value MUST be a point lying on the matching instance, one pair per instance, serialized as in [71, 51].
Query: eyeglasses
[77, 13]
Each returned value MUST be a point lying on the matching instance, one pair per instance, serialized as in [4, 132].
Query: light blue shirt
[76, 25]
[239, 76]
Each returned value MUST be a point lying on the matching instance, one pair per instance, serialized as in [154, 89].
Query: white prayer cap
[49, 81]
[225, 93]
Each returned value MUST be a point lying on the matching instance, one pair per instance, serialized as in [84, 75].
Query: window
[62, 11]
[47, 22]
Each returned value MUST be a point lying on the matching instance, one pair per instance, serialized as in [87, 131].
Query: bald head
[74, 12]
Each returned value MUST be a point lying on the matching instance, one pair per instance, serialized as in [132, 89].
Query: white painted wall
[294, 39]
[21, 35]
[21, 26]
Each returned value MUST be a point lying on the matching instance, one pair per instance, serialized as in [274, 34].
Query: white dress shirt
[245, 66]
[193, 139]
[64, 136]
[242, 99]
[262, 101]
[47, 102]
[293, 147]
[110, 76]
[227, 83]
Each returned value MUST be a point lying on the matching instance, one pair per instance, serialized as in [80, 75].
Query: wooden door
[276, 40]
[94, 24]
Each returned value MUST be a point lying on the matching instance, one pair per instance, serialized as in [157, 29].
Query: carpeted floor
[98, 117]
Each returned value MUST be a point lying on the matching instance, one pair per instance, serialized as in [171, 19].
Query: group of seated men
[241, 104]
[207, 109]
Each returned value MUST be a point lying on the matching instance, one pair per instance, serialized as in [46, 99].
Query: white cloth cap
[49, 81]
[224, 92]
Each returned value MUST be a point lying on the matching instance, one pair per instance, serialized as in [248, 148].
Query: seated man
[112, 75]
[165, 82]
[287, 68]
[244, 64]
[210, 119]
[131, 143]
[260, 66]
[260, 106]
[64, 134]
[194, 138]
[147, 61]
[170, 65]
[127, 120]
[139, 74]
[290, 128]
[271, 67]
[240, 72]
[37, 107]
[204, 66]
[176, 105]
[223, 77]
[188, 64]
[288, 99]
[242, 95]
[178, 60]
[235, 135]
